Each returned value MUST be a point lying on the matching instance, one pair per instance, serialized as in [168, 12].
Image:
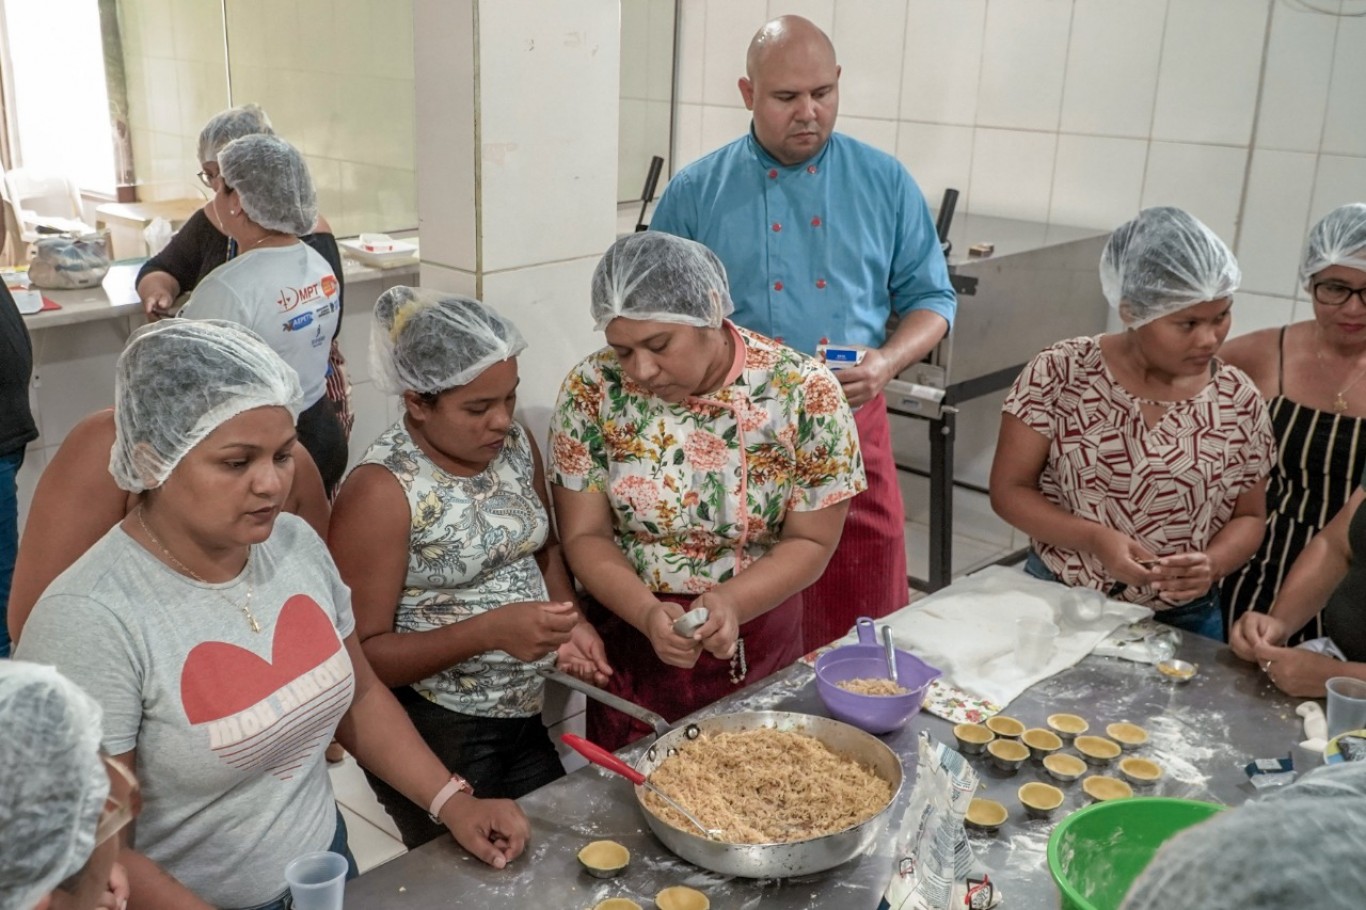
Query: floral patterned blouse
[699, 489]
[1171, 487]
[471, 548]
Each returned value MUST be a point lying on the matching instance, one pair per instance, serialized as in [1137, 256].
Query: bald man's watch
[443, 796]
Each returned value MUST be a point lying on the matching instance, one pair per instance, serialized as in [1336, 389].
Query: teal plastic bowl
[1097, 853]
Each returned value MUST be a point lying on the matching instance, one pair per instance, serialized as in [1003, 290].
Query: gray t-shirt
[229, 725]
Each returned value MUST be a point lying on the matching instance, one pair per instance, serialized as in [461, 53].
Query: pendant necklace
[1340, 404]
[245, 607]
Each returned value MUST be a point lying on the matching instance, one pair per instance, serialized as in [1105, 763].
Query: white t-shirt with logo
[229, 725]
[287, 295]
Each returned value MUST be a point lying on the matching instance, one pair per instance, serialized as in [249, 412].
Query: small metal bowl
[1101, 788]
[972, 738]
[1097, 750]
[1005, 727]
[1007, 754]
[1129, 736]
[1040, 800]
[680, 897]
[1042, 743]
[604, 858]
[985, 814]
[1067, 726]
[1178, 672]
[1064, 767]
[1141, 772]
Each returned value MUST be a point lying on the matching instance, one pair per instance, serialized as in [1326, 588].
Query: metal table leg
[942, 431]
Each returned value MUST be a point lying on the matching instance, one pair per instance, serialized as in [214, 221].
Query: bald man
[824, 237]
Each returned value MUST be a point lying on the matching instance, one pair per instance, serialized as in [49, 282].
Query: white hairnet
[1164, 261]
[663, 278]
[234, 123]
[1338, 239]
[1300, 847]
[53, 783]
[272, 183]
[177, 381]
[426, 341]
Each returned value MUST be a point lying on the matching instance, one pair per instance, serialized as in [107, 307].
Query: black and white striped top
[1321, 459]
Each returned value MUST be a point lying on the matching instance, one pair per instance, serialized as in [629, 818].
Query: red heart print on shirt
[271, 715]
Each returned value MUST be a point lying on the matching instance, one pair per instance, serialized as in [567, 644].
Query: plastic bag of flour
[934, 860]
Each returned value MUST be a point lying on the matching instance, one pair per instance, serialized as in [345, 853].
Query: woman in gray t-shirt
[218, 638]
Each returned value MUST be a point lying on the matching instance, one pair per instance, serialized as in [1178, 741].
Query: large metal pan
[759, 860]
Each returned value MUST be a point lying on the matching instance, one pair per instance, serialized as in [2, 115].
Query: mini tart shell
[1097, 749]
[1067, 726]
[1129, 736]
[604, 857]
[1140, 771]
[986, 814]
[1064, 767]
[680, 897]
[1008, 727]
[1040, 797]
[1101, 788]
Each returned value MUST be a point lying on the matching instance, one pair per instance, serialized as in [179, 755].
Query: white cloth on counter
[967, 629]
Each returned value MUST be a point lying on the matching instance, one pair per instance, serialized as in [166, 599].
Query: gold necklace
[1340, 399]
[251, 589]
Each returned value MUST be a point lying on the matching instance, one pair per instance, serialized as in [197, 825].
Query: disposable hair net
[425, 341]
[1338, 239]
[176, 381]
[272, 183]
[663, 278]
[1300, 847]
[234, 123]
[1164, 261]
[54, 784]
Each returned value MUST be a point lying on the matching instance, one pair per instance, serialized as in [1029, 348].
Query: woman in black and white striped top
[1313, 375]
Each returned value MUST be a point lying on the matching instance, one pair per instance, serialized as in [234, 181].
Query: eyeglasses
[206, 179]
[1331, 293]
[123, 803]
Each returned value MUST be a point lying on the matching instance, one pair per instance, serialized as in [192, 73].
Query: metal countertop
[1202, 733]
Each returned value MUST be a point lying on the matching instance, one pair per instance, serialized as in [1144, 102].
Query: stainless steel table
[1202, 733]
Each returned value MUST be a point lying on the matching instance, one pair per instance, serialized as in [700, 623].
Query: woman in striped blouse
[1313, 375]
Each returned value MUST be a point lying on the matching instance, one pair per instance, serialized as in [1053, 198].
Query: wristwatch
[443, 796]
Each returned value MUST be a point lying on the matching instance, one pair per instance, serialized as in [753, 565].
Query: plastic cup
[1346, 705]
[317, 881]
[1035, 641]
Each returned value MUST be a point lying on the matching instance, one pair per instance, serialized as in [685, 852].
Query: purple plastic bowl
[873, 713]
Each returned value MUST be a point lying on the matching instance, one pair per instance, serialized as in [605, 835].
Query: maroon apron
[772, 641]
[866, 575]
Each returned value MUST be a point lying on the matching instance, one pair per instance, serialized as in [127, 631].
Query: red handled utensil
[604, 759]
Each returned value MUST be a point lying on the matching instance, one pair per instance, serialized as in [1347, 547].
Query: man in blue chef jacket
[823, 237]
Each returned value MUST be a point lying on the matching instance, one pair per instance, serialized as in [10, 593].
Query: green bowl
[1095, 854]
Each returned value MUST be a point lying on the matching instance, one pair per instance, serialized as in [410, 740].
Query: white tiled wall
[1249, 114]
[335, 76]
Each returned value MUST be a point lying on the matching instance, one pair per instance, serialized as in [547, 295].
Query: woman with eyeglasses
[1313, 376]
[202, 245]
[278, 286]
[63, 801]
[218, 639]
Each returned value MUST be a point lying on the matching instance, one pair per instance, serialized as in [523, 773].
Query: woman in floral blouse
[443, 534]
[694, 464]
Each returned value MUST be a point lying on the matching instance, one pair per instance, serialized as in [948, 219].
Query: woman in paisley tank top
[1137, 461]
[443, 534]
[1313, 376]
